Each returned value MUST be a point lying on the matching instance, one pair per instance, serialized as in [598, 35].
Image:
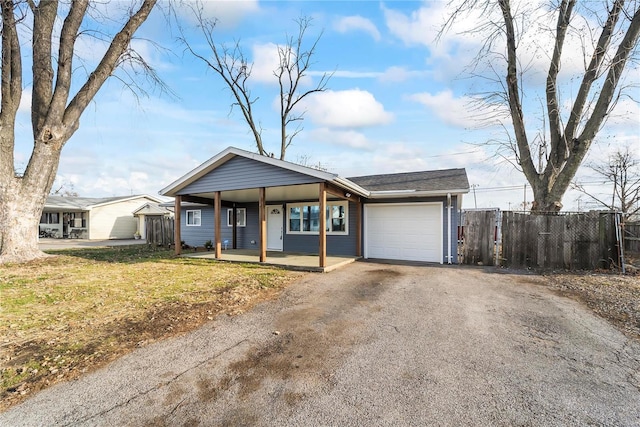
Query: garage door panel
[404, 231]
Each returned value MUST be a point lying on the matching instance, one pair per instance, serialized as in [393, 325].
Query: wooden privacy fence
[571, 241]
[159, 230]
[632, 237]
[576, 241]
[479, 237]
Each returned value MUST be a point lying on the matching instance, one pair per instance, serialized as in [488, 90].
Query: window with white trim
[194, 218]
[304, 218]
[241, 217]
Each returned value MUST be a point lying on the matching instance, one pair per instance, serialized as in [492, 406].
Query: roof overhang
[395, 194]
[224, 156]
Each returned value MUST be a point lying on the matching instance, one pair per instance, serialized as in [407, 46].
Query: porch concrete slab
[288, 260]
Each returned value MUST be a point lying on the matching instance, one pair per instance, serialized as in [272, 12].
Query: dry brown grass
[68, 314]
[612, 296]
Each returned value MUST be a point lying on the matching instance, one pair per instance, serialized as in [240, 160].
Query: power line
[480, 189]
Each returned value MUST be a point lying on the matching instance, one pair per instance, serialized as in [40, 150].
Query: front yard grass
[71, 313]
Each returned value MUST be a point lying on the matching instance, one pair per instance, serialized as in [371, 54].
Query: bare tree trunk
[568, 134]
[54, 117]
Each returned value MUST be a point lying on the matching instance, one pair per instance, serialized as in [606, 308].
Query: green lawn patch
[67, 314]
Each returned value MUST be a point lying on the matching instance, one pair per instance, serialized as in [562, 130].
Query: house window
[50, 218]
[76, 219]
[305, 218]
[241, 217]
[194, 218]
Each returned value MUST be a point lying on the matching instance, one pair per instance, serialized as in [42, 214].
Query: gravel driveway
[377, 345]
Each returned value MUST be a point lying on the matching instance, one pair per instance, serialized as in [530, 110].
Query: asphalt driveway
[372, 344]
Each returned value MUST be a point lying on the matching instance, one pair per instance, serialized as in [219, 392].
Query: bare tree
[63, 189]
[233, 67]
[55, 112]
[610, 39]
[622, 172]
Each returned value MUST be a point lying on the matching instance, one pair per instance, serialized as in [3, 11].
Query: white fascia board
[348, 185]
[413, 193]
[226, 155]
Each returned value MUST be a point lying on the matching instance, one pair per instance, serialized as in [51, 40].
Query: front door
[275, 225]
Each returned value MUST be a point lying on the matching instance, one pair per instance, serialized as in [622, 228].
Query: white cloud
[346, 74]
[626, 113]
[265, 61]
[25, 101]
[353, 108]
[227, 13]
[400, 74]
[453, 111]
[345, 138]
[357, 23]
[457, 48]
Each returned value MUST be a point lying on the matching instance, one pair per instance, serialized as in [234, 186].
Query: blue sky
[398, 101]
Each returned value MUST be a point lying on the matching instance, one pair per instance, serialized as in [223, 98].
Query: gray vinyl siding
[251, 232]
[196, 236]
[241, 173]
[336, 244]
[453, 230]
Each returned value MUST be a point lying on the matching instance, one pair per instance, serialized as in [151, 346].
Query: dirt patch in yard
[61, 317]
[61, 360]
[611, 296]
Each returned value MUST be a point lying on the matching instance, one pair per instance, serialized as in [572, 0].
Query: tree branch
[558, 142]
[65, 60]
[106, 66]
[44, 18]
[11, 87]
[515, 105]
[591, 73]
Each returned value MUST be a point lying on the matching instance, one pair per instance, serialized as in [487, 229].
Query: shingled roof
[86, 203]
[436, 180]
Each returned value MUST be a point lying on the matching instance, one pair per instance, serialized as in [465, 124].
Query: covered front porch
[287, 260]
[274, 211]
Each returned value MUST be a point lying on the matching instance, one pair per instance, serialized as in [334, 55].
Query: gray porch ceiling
[273, 194]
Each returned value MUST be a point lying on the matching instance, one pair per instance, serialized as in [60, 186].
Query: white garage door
[411, 232]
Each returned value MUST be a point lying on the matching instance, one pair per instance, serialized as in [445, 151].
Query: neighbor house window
[76, 219]
[50, 218]
[305, 218]
[241, 217]
[194, 218]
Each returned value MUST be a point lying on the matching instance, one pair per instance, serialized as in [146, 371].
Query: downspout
[449, 228]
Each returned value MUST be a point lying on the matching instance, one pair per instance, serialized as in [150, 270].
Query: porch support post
[263, 225]
[216, 214]
[234, 228]
[358, 228]
[322, 252]
[176, 224]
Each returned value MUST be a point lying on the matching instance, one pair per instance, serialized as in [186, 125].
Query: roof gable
[239, 173]
[179, 186]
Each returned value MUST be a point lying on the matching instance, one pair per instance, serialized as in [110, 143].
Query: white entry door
[275, 226]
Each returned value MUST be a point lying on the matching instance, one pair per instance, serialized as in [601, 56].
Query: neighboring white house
[93, 218]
